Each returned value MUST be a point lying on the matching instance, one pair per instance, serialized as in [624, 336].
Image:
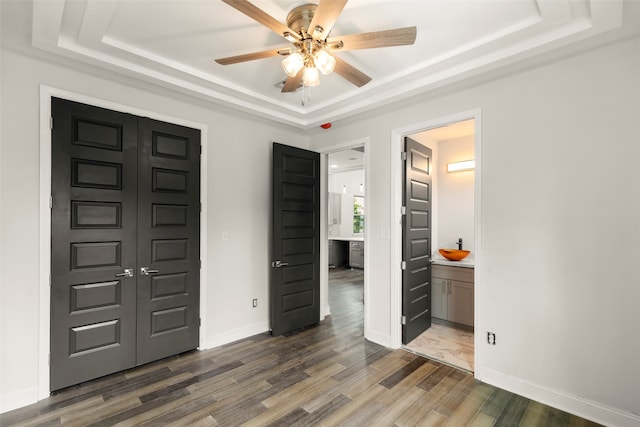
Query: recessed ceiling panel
[175, 43]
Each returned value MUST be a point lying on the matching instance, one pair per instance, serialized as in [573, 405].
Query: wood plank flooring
[326, 376]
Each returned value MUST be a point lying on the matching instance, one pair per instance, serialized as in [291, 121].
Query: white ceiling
[174, 43]
[346, 160]
[450, 131]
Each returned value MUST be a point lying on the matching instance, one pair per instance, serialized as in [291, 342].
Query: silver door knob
[128, 272]
[278, 264]
[145, 271]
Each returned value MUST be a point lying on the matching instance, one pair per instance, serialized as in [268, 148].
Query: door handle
[128, 272]
[145, 271]
[278, 264]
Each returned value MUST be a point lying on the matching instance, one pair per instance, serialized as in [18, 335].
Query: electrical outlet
[491, 338]
[255, 302]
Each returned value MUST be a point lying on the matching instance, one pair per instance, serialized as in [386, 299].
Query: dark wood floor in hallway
[327, 375]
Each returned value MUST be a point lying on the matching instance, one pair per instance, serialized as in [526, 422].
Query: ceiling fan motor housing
[300, 18]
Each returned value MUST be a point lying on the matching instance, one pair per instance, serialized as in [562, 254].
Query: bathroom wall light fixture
[467, 165]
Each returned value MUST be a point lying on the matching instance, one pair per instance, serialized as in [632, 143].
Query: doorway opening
[346, 223]
[455, 219]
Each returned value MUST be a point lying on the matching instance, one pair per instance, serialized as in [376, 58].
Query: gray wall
[238, 191]
[560, 210]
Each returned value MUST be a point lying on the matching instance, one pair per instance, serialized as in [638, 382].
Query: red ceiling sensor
[326, 125]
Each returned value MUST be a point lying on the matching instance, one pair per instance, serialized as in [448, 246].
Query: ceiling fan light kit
[310, 77]
[292, 64]
[308, 27]
[325, 62]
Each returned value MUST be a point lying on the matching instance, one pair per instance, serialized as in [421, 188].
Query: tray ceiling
[174, 44]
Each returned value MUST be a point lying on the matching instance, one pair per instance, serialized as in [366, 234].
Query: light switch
[384, 233]
[225, 235]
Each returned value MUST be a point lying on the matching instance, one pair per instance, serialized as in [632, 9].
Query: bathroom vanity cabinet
[452, 293]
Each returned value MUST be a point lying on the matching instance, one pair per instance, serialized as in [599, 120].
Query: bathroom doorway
[450, 339]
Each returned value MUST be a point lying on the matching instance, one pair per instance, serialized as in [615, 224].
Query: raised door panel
[416, 245]
[169, 245]
[94, 161]
[295, 282]
[122, 198]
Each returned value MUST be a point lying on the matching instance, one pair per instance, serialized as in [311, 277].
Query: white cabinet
[452, 293]
[335, 209]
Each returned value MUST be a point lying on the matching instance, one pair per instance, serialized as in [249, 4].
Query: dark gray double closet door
[125, 228]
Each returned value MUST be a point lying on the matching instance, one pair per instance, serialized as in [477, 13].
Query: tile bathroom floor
[445, 342]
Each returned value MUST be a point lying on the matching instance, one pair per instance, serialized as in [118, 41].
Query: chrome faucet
[459, 243]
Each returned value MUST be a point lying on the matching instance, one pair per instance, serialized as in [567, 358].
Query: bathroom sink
[453, 254]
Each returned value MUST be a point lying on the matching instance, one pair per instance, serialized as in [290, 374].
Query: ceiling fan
[308, 28]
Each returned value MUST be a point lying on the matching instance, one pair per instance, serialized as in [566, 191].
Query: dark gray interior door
[168, 239]
[126, 196]
[416, 241]
[93, 300]
[295, 273]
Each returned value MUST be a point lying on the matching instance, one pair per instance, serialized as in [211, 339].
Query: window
[358, 214]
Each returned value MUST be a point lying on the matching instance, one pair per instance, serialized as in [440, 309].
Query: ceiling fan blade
[261, 17]
[248, 57]
[325, 16]
[292, 83]
[351, 73]
[395, 37]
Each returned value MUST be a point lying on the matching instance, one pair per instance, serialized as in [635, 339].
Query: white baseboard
[583, 408]
[378, 338]
[235, 335]
[325, 311]
[18, 399]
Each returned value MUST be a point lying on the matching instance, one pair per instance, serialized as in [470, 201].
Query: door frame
[325, 309]
[396, 147]
[44, 265]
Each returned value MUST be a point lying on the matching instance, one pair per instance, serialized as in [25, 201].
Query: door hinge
[403, 320]
[403, 265]
[200, 264]
[199, 321]
[50, 202]
[49, 360]
[403, 155]
[51, 122]
[403, 210]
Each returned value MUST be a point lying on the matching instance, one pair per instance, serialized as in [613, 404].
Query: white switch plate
[384, 233]
[225, 235]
